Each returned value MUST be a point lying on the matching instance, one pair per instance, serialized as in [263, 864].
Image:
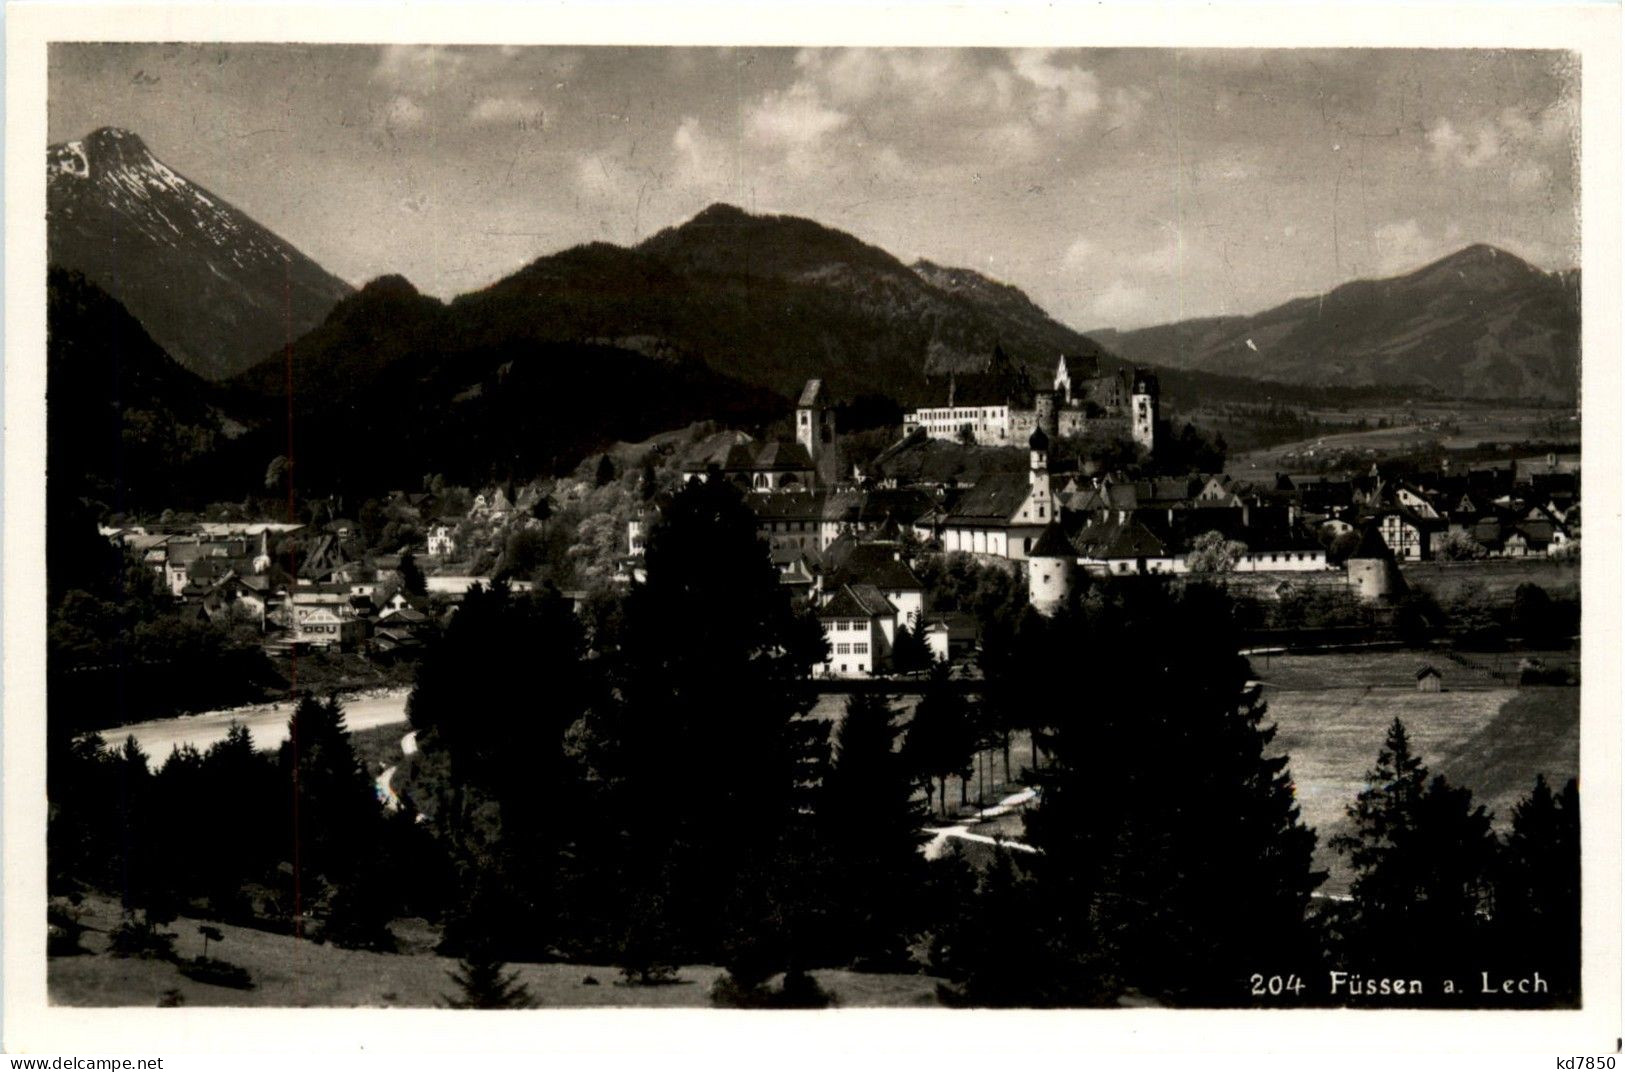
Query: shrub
[798, 990]
[140, 938]
[216, 972]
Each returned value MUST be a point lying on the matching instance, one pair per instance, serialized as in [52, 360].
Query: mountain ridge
[213, 287]
[1479, 323]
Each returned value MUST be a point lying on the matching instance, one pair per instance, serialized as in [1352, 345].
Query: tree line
[642, 784]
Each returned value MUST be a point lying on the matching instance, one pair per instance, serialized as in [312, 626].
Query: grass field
[291, 973]
[1333, 711]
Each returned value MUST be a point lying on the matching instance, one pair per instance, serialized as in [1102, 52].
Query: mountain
[214, 289]
[125, 422]
[1480, 323]
[774, 301]
[394, 385]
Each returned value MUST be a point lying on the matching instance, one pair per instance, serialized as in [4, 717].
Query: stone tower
[813, 419]
[1143, 401]
[1373, 575]
[1050, 566]
[1047, 418]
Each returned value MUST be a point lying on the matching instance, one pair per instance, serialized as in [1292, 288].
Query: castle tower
[1063, 381]
[812, 419]
[1143, 400]
[1050, 565]
[1373, 575]
[1047, 418]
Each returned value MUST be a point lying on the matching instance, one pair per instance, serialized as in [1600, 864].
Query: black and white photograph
[548, 526]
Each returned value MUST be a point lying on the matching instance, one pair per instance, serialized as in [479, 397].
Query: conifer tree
[941, 737]
[1423, 859]
[483, 982]
[871, 821]
[1172, 852]
[1537, 890]
[709, 766]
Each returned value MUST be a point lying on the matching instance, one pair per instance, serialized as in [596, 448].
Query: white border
[31, 1025]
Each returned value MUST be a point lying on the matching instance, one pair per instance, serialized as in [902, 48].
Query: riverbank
[267, 723]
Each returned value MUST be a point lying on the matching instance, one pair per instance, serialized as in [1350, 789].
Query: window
[843, 649]
[860, 649]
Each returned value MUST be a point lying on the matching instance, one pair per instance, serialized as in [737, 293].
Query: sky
[1118, 188]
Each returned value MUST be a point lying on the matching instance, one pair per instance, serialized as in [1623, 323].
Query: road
[268, 723]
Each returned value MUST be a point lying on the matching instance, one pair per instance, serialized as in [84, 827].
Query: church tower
[1143, 399]
[812, 419]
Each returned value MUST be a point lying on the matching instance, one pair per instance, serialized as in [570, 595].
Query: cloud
[1120, 304]
[403, 113]
[514, 110]
[1400, 246]
[1451, 148]
[419, 68]
[1524, 144]
[1059, 94]
[1080, 254]
[794, 118]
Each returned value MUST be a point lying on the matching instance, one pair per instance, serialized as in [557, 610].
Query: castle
[1000, 406]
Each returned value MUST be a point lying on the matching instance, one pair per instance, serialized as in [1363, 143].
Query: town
[845, 536]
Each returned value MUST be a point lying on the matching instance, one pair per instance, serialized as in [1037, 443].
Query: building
[1004, 513]
[1428, 679]
[443, 538]
[859, 623]
[1000, 406]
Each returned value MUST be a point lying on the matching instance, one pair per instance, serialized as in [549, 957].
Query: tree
[1537, 890]
[1212, 552]
[484, 983]
[1458, 545]
[1422, 857]
[909, 652]
[1173, 855]
[412, 579]
[605, 473]
[506, 789]
[707, 724]
[870, 820]
[336, 812]
[941, 738]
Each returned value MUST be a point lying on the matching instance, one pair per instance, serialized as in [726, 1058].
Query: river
[268, 723]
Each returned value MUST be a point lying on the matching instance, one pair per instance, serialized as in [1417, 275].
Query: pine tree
[1173, 855]
[871, 820]
[1537, 890]
[710, 767]
[483, 982]
[941, 737]
[1423, 858]
[412, 580]
[511, 794]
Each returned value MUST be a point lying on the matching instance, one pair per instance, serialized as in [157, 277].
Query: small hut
[1428, 679]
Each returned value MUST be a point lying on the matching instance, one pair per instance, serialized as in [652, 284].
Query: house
[859, 623]
[443, 538]
[1408, 534]
[1428, 679]
[1004, 513]
[949, 635]
[879, 566]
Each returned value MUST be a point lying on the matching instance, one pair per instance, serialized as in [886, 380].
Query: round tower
[1050, 565]
[1373, 575]
[1143, 402]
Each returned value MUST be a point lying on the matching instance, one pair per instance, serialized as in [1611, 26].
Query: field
[292, 973]
[1480, 731]
[1459, 426]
